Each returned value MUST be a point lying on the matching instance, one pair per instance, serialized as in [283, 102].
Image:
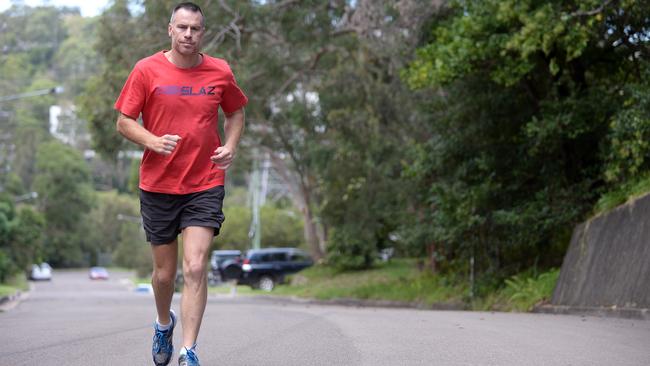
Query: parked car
[224, 265]
[265, 268]
[40, 272]
[98, 273]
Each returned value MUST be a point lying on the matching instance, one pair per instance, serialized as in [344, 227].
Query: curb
[349, 302]
[610, 312]
[11, 301]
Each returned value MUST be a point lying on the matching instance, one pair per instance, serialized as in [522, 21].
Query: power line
[55, 90]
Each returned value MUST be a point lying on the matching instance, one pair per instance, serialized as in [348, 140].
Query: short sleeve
[133, 95]
[232, 98]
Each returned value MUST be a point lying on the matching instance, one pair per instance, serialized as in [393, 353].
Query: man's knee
[163, 276]
[193, 270]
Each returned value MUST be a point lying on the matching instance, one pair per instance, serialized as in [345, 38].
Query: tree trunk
[311, 234]
[315, 235]
[431, 256]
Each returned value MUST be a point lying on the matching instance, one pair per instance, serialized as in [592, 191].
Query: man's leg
[196, 244]
[164, 275]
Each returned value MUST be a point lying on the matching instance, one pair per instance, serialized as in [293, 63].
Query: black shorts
[164, 215]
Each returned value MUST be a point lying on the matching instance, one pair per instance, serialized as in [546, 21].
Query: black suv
[264, 268]
[224, 265]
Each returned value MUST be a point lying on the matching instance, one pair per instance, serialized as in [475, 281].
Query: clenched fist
[165, 144]
[223, 157]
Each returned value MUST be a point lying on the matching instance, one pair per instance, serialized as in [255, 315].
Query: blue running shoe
[163, 349]
[189, 359]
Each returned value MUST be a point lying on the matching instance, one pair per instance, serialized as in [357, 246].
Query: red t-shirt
[183, 102]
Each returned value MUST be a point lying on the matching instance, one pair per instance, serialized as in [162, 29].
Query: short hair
[188, 6]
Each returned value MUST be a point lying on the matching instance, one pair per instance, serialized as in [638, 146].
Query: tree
[115, 30]
[27, 238]
[528, 93]
[76, 59]
[7, 267]
[113, 211]
[65, 198]
[308, 66]
[20, 237]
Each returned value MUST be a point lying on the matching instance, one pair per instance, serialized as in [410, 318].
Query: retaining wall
[608, 261]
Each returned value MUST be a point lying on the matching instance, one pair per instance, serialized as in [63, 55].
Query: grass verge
[624, 193]
[226, 289]
[397, 280]
[400, 280]
[521, 292]
[14, 284]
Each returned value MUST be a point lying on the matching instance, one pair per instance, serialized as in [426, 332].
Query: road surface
[73, 321]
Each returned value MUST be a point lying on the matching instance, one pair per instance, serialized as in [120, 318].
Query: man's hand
[223, 157]
[164, 145]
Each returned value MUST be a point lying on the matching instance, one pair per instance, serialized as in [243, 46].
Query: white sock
[163, 327]
[184, 350]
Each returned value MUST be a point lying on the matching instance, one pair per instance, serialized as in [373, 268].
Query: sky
[88, 8]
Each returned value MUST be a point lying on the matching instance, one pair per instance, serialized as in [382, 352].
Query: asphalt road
[74, 321]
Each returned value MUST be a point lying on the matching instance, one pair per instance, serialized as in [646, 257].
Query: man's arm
[134, 132]
[233, 127]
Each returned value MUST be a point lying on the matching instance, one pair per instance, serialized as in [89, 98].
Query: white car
[42, 272]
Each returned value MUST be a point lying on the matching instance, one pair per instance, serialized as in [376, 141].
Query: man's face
[186, 31]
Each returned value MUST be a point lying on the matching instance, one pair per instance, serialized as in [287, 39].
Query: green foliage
[115, 27]
[618, 195]
[27, 238]
[116, 227]
[7, 213]
[20, 237]
[370, 117]
[13, 184]
[523, 291]
[7, 267]
[76, 59]
[28, 137]
[538, 102]
[62, 182]
[629, 150]
[518, 38]
[13, 284]
[281, 227]
[351, 247]
[118, 231]
[132, 251]
[397, 280]
[134, 177]
[234, 233]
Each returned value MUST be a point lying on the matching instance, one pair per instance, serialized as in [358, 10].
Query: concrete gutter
[361, 303]
[11, 301]
[611, 312]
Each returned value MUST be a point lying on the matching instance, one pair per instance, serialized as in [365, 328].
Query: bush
[351, 247]
[525, 291]
[7, 267]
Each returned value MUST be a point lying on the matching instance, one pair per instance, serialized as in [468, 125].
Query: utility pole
[255, 232]
[258, 189]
